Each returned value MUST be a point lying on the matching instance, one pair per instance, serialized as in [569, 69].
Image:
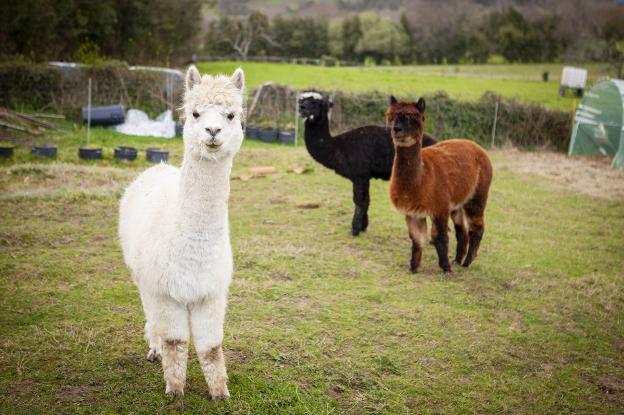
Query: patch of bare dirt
[593, 176]
[611, 385]
[24, 387]
[44, 179]
[77, 392]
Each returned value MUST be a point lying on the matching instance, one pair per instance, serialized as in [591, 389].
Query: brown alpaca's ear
[393, 100]
[421, 105]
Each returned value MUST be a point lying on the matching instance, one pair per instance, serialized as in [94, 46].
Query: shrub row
[43, 87]
[523, 126]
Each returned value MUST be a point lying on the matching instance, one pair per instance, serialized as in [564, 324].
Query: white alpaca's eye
[195, 114]
[230, 116]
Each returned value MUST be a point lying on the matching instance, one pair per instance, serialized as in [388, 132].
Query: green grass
[465, 82]
[318, 321]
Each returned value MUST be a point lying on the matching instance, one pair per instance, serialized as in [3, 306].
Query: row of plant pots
[154, 155]
[270, 135]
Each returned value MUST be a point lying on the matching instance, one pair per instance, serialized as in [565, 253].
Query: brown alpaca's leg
[475, 209]
[417, 228]
[439, 236]
[461, 233]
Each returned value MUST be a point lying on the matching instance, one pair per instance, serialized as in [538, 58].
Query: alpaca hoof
[447, 270]
[355, 232]
[175, 393]
[413, 270]
[221, 394]
[153, 355]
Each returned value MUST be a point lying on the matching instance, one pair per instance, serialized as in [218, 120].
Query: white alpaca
[174, 232]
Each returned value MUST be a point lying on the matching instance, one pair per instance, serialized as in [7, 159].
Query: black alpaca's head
[311, 105]
[407, 120]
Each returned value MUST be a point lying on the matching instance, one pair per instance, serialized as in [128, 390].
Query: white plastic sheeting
[138, 123]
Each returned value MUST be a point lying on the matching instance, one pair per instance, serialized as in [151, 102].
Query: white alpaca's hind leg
[207, 328]
[152, 339]
[171, 326]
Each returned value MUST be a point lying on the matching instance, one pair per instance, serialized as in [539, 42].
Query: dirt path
[592, 176]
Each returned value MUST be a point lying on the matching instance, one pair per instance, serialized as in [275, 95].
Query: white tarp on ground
[138, 123]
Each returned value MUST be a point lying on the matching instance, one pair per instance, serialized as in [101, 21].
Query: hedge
[43, 87]
[523, 126]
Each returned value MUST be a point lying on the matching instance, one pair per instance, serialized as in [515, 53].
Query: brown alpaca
[451, 178]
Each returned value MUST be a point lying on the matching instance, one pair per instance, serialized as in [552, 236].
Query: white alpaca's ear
[238, 78]
[193, 77]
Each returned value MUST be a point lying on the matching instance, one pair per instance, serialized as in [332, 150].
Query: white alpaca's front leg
[171, 326]
[153, 341]
[207, 328]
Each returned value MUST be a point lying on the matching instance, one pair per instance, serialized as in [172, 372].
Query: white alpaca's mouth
[213, 146]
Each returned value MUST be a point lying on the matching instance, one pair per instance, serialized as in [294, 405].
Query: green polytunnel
[599, 122]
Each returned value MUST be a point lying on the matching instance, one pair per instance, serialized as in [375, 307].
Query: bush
[43, 87]
[524, 126]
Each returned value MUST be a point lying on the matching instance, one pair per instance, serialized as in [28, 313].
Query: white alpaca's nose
[213, 131]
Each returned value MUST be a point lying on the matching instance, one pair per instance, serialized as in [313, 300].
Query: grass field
[466, 82]
[318, 322]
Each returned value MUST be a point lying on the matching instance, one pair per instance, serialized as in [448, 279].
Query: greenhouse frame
[599, 122]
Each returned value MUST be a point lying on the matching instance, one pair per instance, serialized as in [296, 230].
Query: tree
[405, 26]
[335, 38]
[520, 40]
[239, 36]
[300, 37]
[136, 30]
[609, 29]
[351, 35]
[381, 38]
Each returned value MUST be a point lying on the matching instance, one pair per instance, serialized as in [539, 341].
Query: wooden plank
[19, 128]
[54, 116]
[34, 120]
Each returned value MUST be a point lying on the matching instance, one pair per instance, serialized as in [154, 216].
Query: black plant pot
[126, 153]
[6, 151]
[156, 155]
[268, 135]
[87, 153]
[179, 129]
[287, 136]
[251, 132]
[43, 151]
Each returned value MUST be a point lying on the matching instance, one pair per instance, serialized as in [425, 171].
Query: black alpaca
[358, 155]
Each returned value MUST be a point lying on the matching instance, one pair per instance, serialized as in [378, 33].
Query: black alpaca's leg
[476, 222]
[417, 228]
[461, 234]
[440, 241]
[361, 199]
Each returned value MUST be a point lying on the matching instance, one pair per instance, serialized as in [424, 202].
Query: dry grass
[592, 176]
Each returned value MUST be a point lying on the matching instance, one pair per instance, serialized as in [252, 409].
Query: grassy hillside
[469, 82]
[318, 321]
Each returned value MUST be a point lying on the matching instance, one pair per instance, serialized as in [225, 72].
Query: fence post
[296, 118]
[494, 125]
[89, 115]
